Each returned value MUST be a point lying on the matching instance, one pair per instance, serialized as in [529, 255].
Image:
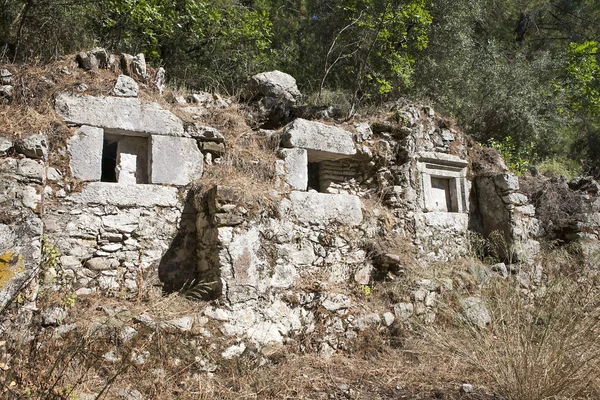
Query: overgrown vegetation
[523, 74]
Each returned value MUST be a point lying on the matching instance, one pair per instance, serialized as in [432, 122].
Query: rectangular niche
[125, 159]
[444, 183]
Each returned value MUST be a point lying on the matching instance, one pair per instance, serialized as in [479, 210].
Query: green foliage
[559, 167]
[516, 155]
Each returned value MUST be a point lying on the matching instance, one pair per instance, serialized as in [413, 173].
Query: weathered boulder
[176, 161]
[274, 84]
[126, 87]
[118, 114]
[85, 151]
[323, 142]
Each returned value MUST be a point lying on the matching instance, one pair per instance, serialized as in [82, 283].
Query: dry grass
[547, 347]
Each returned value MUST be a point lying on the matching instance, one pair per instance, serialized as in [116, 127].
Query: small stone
[34, 146]
[54, 316]
[404, 311]
[131, 394]
[335, 302]
[500, 269]
[111, 248]
[126, 87]
[101, 264]
[476, 312]
[466, 388]
[183, 324]
[5, 146]
[388, 318]
[234, 351]
[139, 66]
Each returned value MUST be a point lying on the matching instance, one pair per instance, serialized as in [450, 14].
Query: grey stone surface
[507, 182]
[323, 142]
[204, 133]
[5, 146]
[126, 87]
[175, 161]
[336, 301]
[295, 167]
[321, 208]
[476, 312]
[85, 151]
[33, 169]
[403, 311]
[139, 66]
[275, 84]
[101, 264]
[33, 146]
[132, 160]
[126, 195]
[118, 114]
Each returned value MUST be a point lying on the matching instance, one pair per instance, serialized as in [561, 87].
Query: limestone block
[139, 66]
[322, 208]
[132, 160]
[126, 87]
[295, 167]
[175, 161]
[118, 114]
[85, 150]
[5, 77]
[126, 195]
[323, 142]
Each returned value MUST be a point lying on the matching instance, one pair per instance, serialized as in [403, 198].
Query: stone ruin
[124, 218]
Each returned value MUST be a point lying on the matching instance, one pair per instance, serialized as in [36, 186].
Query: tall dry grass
[545, 346]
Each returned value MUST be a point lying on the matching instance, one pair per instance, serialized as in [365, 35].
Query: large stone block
[118, 195]
[176, 161]
[118, 114]
[295, 167]
[85, 150]
[323, 142]
[322, 208]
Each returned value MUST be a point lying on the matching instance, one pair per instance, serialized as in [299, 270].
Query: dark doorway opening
[313, 177]
[109, 161]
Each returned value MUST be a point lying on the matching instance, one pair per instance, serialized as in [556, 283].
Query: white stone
[388, 318]
[234, 351]
[323, 142]
[335, 302]
[175, 161]
[126, 87]
[295, 167]
[322, 208]
[126, 195]
[265, 333]
[85, 151]
[183, 324]
[132, 160]
[403, 311]
[118, 114]
[284, 276]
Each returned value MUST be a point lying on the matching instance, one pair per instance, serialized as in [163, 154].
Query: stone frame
[447, 167]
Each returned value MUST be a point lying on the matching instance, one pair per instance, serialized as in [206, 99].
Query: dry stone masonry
[128, 214]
